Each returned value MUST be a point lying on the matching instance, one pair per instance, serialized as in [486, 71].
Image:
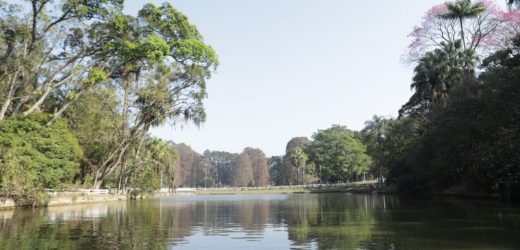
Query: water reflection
[326, 221]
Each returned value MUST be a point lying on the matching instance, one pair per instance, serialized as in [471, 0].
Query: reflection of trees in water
[217, 217]
[329, 221]
[448, 223]
[332, 220]
[132, 227]
[149, 224]
[252, 215]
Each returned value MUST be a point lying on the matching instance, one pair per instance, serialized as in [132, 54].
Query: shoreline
[73, 199]
[353, 188]
[63, 200]
[361, 188]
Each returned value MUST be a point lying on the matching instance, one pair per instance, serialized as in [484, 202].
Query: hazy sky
[291, 67]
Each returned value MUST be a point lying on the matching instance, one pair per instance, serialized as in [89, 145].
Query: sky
[291, 67]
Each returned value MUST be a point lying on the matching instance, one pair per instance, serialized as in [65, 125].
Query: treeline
[460, 130]
[220, 169]
[334, 155]
[81, 85]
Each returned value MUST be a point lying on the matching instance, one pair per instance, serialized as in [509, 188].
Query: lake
[273, 221]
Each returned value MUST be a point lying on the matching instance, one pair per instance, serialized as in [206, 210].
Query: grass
[360, 187]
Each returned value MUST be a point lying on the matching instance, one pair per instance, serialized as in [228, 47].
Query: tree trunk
[57, 114]
[38, 103]
[463, 39]
[135, 166]
[9, 97]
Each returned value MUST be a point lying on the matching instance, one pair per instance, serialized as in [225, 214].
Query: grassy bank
[362, 187]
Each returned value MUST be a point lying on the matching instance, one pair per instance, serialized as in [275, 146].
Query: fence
[78, 191]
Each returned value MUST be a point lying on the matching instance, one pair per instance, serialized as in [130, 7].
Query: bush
[34, 157]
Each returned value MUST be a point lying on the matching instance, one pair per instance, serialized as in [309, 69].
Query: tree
[435, 75]
[461, 10]
[34, 157]
[95, 122]
[260, 167]
[251, 169]
[157, 161]
[243, 171]
[337, 154]
[290, 171]
[162, 54]
[48, 50]
[53, 54]
[481, 27]
[275, 170]
[373, 136]
[187, 170]
[469, 145]
[223, 164]
[298, 158]
[403, 154]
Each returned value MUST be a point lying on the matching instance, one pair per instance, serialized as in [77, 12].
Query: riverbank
[60, 199]
[360, 187]
[65, 199]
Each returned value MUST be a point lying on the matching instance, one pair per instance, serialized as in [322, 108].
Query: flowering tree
[485, 31]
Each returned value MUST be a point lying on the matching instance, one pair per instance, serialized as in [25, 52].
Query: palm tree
[460, 10]
[375, 134]
[298, 159]
[440, 69]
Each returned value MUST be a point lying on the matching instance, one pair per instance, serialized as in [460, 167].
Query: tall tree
[275, 170]
[436, 74]
[462, 10]
[162, 54]
[290, 171]
[223, 164]
[260, 167]
[373, 137]
[243, 171]
[299, 159]
[187, 169]
[481, 27]
[337, 154]
[95, 122]
[51, 48]
[251, 168]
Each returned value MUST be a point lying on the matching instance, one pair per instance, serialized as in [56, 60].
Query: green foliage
[156, 166]
[435, 75]
[96, 126]
[34, 157]
[401, 146]
[337, 154]
[194, 50]
[461, 9]
[294, 167]
[95, 76]
[468, 145]
[223, 163]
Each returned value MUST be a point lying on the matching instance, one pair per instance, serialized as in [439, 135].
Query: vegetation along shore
[82, 83]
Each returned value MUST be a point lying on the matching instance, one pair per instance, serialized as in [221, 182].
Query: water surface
[303, 221]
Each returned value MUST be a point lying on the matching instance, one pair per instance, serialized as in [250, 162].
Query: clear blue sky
[291, 67]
